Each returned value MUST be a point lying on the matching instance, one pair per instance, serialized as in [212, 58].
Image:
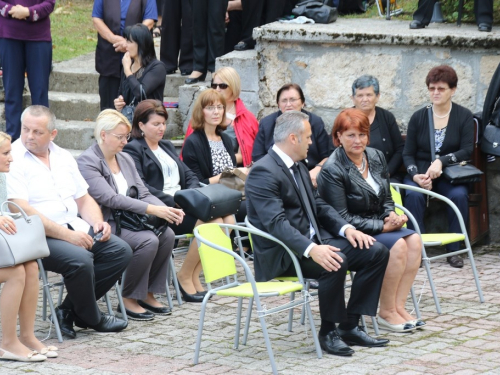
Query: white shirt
[52, 191]
[170, 170]
[371, 181]
[289, 163]
[121, 183]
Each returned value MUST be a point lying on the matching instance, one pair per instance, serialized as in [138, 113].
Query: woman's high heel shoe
[190, 297]
[190, 81]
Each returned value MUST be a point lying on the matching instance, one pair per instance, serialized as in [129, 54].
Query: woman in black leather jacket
[355, 181]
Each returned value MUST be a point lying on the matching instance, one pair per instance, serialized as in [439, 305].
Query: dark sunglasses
[222, 86]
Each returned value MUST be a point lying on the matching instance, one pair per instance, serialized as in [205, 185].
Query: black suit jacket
[275, 206]
[149, 168]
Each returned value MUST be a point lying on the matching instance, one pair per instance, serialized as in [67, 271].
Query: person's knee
[31, 270]
[379, 251]
[414, 244]
[399, 250]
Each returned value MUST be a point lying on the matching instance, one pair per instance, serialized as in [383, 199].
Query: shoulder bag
[235, 179]
[28, 243]
[209, 202]
[128, 110]
[458, 173]
[316, 10]
[491, 136]
[138, 222]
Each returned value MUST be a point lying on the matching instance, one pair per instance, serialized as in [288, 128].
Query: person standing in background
[25, 31]
[110, 19]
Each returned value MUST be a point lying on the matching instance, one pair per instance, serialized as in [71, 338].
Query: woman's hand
[423, 180]
[172, 215]
[19, 12]
[435, 170]
[8, 225]
[313, 173]
[119, 103]
[127, 64]
[394, 222]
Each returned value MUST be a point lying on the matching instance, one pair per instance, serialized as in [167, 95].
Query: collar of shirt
[286, 159]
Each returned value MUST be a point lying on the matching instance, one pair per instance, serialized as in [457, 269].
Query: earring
[142, 134]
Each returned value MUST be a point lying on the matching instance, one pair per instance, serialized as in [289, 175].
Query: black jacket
[152, 81]
[197, 155]
[341, 185]
[457, 145]
[149, 168]
[320, 148]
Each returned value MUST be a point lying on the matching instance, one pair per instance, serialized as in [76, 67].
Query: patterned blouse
[220, 157]
[439, 135]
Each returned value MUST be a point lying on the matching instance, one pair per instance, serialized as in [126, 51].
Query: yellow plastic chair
[438, 239]
[218, 261]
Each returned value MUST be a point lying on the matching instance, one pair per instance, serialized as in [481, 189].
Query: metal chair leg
[46, 292]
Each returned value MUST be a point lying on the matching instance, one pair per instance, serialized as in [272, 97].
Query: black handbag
[491, 140]
[128, 110]
[138, 222]
[316, 10]
[209, 202]
[459, 173]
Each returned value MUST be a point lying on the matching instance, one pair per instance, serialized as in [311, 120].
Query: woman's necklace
[362, 169]
[444, 116]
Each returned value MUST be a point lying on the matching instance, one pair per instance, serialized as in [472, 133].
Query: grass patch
[73, 33]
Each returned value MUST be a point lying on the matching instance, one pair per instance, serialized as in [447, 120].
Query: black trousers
[176, 48]
[108, 91]
[208, 33]
[88, 275]
[369, 265]
[483, 10]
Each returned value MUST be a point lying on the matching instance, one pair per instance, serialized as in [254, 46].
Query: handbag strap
[431, 133]
[26, 217]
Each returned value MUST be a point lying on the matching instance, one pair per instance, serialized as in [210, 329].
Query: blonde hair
[4, 137]
[232, 78]
[108, 120]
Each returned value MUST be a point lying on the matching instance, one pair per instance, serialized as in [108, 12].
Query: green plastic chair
[219, 262]
[438, 239]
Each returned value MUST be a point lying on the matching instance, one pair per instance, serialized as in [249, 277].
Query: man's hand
[80, 239]
[19, 12]
[104, 228]
[120, 44]
[355, 237]
[326, 256]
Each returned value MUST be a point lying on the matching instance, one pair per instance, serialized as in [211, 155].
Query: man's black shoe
[357, 336]
[108, 323]
[66, 318]
[455, 261]
[484, 27]
[333, 344]
[416, 25]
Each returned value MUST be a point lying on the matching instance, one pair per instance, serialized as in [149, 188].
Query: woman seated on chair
[20, 290]
[355, 181]
[110, 174]
[453, 137]
[384, 130]
[163, 173]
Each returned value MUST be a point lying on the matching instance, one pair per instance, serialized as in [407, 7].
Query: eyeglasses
[291, 101]
[121, 137]
[439, 89]
[222, 86]
[212, 108]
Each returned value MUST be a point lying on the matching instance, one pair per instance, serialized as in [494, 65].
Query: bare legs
[403, 265]
[189, 274]
[19, 296]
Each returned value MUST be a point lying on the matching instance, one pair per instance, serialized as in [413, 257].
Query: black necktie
[305, 199]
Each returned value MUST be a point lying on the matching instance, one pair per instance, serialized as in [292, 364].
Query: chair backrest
[396, 197]
[216, 264]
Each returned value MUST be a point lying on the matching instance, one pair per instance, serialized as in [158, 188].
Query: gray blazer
[102, 186]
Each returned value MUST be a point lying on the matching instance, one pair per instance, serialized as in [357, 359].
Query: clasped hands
[19, 12]
[434, 171]
[394, 222]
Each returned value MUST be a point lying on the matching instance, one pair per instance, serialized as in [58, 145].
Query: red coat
[245, 127]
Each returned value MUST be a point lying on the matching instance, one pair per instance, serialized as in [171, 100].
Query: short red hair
[347, 119]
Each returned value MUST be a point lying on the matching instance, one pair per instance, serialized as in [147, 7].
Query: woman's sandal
[156, 32]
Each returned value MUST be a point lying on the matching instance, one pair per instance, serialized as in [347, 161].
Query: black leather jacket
[342, 186]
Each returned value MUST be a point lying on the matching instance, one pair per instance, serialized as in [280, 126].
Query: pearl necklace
[444, 116]
[362, 169]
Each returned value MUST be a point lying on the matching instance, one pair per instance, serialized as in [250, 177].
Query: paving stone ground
[464, 339]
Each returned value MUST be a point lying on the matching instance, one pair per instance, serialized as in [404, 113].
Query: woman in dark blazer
[384, 130]
[454, 142]
[291, 98]
[110, 173]
[355, 181]
[163, 174]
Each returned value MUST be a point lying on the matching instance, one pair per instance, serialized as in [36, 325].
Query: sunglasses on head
[222, 86]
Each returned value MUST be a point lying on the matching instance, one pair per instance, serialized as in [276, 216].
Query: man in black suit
[281, 202]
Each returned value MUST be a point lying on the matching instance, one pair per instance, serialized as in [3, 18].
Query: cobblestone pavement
[464, 339]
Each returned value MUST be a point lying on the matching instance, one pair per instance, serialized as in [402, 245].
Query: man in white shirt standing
[44, 180]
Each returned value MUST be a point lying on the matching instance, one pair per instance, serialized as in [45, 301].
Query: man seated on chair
[45, 181]
[281, 201]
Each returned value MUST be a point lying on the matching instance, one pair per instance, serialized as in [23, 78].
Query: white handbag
[28, 243]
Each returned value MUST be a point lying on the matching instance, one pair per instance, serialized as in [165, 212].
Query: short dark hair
[141, 35]
[364, 82]
[206, 98]
[143, 112]
[350, 118]
[442, 73]
[290, 86]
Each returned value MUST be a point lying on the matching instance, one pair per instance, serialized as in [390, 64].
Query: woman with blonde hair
[110, 174]
[20, 290]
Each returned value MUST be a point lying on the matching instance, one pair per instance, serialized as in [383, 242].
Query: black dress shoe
[484, 27]
[143, 316]
[164, 310]
[416, 25]
[66, 318]
[190, 81]
[186, 72]
[204, 293]
[313, 284]
[333, 344]
[455, 261]
[357, 336]
[108, 323]
[243, 46]
[171, 71]
[190, 297]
